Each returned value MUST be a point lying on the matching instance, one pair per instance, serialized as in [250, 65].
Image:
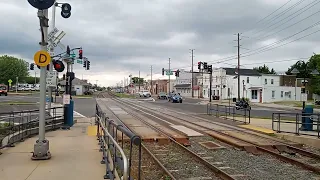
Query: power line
[282, 13]
[267, 46]
[310, 4]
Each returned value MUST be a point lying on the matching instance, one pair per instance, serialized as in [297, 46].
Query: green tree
[305, 68]
[265, 70]
[31, 80]
[11, 67]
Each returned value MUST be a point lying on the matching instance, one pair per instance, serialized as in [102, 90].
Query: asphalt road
[84, 106]
[191, 105]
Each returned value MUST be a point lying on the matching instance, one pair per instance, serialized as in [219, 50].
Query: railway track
[283, 151]
[288, 153]
[178, 161]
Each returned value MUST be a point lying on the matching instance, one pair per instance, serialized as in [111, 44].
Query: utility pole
[169, 75]
[238, 66]
[139, 81]
[192, 77]
[53, 24]
[17, 82]
[151, 81]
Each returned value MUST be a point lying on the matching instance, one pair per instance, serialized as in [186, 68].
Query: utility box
[308, 121]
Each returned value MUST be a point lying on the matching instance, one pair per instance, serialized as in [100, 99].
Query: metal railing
[16, 126]
[110, 134]
[297, 123]
[229, 112]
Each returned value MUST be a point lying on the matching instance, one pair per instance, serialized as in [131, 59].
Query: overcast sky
[121, 37]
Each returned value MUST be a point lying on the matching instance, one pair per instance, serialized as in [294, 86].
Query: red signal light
[80, 51]
[199, 62]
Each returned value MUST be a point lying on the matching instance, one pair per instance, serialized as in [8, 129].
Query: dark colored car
[162, 95]
[3, 90]
[176, 98]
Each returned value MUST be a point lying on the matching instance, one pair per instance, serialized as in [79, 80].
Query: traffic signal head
[32, 66]
[205, 65]
[199, 65]
[177, 73]
[88, 65]
[210, 68]
[162, 71]
[68, 50]
[58, 65]
[80, 54]
[85, 63]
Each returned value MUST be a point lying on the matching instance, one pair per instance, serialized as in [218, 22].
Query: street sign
[169, 73]
[73, 55]
[51, 79]
[9, 81]
[52, 33]
[42, 58]
[41, 4]
[79, 61]
[66, 99]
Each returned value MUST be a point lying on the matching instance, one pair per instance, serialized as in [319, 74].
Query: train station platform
[75, 155]
[265, 126]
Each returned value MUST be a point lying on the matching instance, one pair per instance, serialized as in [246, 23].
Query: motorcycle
[243, 105]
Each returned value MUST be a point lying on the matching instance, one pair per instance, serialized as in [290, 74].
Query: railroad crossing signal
[58, 65]
[42, 58]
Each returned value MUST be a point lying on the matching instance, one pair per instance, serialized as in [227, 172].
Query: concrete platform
[75, 155]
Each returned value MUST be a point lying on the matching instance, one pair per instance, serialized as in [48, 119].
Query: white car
[144, 93]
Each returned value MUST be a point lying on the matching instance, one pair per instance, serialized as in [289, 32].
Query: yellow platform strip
[256, 128]
[92, 131]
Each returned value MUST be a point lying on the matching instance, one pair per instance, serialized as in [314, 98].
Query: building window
[254, 94]
[271, 81]
[248, 80]
[273, 94]
[204, 92]
[184, 90]
[282, 94]
[218, 93]
[228, 92]
[265, 81]
[214, 92]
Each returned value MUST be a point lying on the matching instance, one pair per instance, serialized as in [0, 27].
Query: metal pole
[151, 82]
[192, 76]
[53, 24]
[139, 81]
[41, 148]
[169, 74]
[35, 77]
[210, 84]
[17, 82]
[238, 66]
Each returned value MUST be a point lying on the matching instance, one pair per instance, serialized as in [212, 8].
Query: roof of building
[244, 72]
[76, 81]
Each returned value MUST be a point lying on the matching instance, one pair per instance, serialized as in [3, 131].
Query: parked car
[162, 95]
[176, 98]
[144, 93]
[3, 90]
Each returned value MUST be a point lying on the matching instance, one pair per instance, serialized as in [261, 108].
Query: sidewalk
[75, 155]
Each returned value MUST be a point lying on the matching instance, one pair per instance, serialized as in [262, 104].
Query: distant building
[78, 86]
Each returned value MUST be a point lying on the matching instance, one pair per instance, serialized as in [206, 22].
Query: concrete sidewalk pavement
[75, 155]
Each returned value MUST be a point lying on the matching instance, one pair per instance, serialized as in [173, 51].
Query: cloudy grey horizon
[122, 37]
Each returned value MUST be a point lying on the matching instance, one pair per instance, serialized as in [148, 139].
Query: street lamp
[304, 72]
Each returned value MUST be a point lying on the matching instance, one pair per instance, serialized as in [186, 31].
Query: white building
[183, 83]
[253, 85]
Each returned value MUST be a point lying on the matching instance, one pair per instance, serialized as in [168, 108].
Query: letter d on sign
[42, 58]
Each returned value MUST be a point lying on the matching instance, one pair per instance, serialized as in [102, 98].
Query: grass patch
[295, 103]
[123, 95]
